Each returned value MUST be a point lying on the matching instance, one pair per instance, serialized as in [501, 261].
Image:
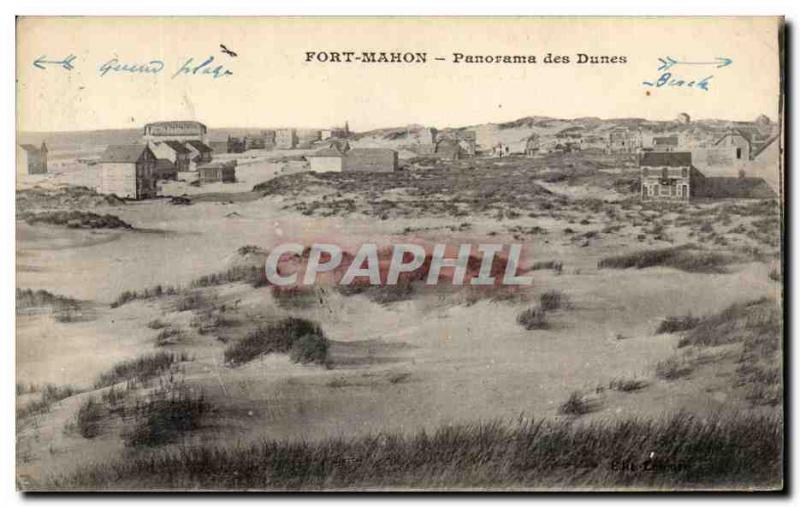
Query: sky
[272, 84]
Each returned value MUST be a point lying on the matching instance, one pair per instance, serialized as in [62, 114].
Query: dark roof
[163, 164]
[666, 140]
[178, 147]
[735, 187]
[735, 132]
[179, 123]
[199, 146]
[123, 153]
[672, 159]
[29, 147]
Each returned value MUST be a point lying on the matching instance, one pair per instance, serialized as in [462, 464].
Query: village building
[285, 139]
[173, 151]
[370, 160]
[326, 160]
[269, 139]
[671, 176]
[738, 142]
[219, 147]
[593, 142]
[200, 153]
[622, 140]
[165, 170]
[128, 171]
[181, 131]
[217, 172]
[32, 160]
[336, 132]
[667, 176]
[532, 145]
[307, 137]
[665, 143]
[448, 149]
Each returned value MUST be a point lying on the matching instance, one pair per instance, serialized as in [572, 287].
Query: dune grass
[140, 369]
[301, 338]
[676, 451]
[685, 257]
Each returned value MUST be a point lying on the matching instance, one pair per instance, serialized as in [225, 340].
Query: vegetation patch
[165, 417]
[678, 451]
[533, 318]
[281, 338]
[74, 219]
[140, 369]
[685, 257]
[676, 324]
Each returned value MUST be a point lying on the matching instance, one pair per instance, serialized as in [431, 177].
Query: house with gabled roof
[199, 153]
[173, 151]
[128, 171]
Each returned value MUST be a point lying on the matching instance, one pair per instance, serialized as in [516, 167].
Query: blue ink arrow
[66, 63]
[668, 62]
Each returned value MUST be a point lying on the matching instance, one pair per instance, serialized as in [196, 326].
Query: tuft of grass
[552, 300]
[576, 405]
[676, 324]
[672, 368]
[156, 324]
[626, 385]
[89, 418]
[140, 369]
[168, 336]
[280, 337]
[532, 318]
[165, 417]
[49, 394]
[670, 452]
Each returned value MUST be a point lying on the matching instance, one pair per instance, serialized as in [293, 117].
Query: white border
[8, 495]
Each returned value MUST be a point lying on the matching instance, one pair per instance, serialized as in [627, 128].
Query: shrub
[310, 348]
[677, 324]
[167, 336]
[532, 318]
[48, 395]
[90, 414]
[279, 338]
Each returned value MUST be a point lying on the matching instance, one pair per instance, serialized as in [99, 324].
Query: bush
[275, 338]
[310, 348]
[90, 414]
[677, 324]
[532, 318]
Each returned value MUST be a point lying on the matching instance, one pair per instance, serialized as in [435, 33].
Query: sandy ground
[399, 367]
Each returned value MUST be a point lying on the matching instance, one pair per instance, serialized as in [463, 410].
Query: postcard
[399, 254]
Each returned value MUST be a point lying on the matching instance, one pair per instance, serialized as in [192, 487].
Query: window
[655, 189]
[644, 172]
[664, 172]
[738, 153]
[685, 172]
